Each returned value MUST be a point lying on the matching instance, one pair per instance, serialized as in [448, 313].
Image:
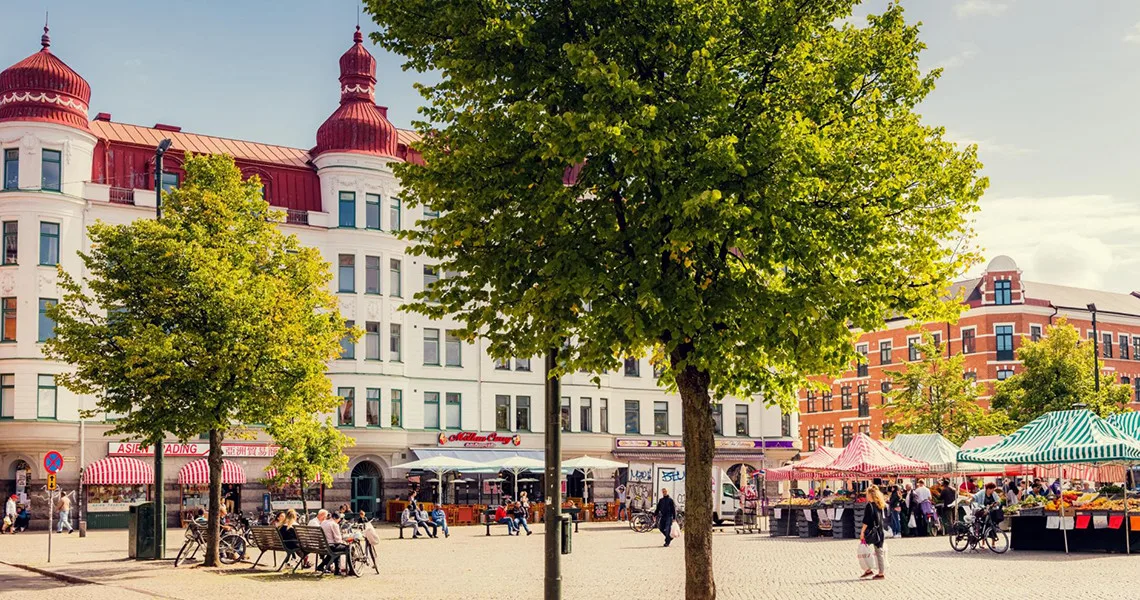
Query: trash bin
[567, 532]
[140, 531]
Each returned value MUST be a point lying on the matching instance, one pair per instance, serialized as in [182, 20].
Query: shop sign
[287, 504]
[110, 506]
[472, 439]
[719, 444]
[192, 449]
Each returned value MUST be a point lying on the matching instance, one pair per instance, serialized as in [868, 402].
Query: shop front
[111, 486]
[194, 487]
[287, 495]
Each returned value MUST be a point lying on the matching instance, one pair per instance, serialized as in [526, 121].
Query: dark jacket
[948, 496]
[873, 519]
[666, 509]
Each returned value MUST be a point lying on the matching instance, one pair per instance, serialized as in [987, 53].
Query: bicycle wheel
[998, 541]
[960, 540]
[372, 557]
[644, 523]
[231, 549]
[182, 552]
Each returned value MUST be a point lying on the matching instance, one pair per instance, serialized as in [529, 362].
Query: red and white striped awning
[118, 470]
[198, 473]
[865, 456]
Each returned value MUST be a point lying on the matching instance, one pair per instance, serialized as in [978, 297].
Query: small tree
[310, 451]
[935, 396]
[1058, 374]
[205, 319]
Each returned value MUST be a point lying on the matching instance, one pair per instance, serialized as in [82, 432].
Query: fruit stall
[798, 516]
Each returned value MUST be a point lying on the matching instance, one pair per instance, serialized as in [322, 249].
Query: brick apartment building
[1003, 310]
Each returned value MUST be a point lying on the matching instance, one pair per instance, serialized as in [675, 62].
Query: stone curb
[54, 575]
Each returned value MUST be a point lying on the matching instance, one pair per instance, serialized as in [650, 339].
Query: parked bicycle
[235, 540]
[362, 551]
[981, 528]
[195, 539]
[643, 521]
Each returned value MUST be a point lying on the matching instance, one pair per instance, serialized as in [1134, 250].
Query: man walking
[63, 505]
[666, 511]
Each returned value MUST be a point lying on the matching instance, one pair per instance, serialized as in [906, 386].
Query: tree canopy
[1058, 372]
[311, 452]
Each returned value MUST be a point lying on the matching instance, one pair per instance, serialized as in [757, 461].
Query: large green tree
[311, 451]
[208, 318]
[1058, 372]
[934, 395]
[747, 180]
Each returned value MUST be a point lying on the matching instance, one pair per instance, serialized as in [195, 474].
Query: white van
[726, 496]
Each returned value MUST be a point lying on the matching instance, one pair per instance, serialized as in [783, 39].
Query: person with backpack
[872, 534]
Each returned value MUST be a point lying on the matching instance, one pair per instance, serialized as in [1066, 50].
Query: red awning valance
[198, 473]
[118, 470]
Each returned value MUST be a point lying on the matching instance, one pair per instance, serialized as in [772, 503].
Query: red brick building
[1003, 310]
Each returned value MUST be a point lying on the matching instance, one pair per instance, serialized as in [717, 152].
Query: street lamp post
[553, 511]
[1096, 349]
[159, 492]
[163, 146]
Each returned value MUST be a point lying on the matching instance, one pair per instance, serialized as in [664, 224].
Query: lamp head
[163, 146]
[1091, 307]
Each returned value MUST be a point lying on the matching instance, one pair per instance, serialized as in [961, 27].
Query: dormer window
[1003, 292]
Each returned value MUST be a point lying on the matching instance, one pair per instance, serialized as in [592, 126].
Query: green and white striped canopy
[1128, 422]
[940, 453]
[1064, 436]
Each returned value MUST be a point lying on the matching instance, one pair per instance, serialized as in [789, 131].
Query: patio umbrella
[589, 463]
[439, 465]
[516, 465]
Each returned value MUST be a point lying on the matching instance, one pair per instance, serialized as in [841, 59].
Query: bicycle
[235, 541]
[362, 553]
[981, 528]
[193, 538]
[642, 521]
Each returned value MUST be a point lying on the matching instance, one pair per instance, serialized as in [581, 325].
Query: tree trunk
[304, 501]
[697, 434]
[213, 527]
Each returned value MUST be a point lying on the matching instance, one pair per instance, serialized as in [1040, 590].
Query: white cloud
[956, 60]
[974, 8]
[1085, 241]
[987, 146]
[1133, 37]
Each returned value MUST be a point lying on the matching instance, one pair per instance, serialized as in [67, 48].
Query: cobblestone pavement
[608, 561]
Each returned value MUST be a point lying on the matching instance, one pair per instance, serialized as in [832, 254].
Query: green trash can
[140, 531]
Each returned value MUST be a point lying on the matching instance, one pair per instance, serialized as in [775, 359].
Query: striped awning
[1128, 422]
[940, 453]
[118, 470]
[820, 457]
[198, 473]
[1060, 437]
[865, 456]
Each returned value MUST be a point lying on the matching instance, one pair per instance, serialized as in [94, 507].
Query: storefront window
[288, 495]
[115, 498]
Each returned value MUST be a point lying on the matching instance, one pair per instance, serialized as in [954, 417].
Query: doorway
[366, 488]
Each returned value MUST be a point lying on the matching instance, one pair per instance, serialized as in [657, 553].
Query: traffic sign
[51, 482]
[53, 461]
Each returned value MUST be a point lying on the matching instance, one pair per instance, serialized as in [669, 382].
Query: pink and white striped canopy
[198, 473]
[118, 470]
[865, 456]
[821, 457]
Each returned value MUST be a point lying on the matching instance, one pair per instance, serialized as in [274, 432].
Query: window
[1106, 345]
[394, 342]
[394, 215]
[1004, 342]
[742, 419]
[564, 416]
[429, 213]
[347, 346]
[431, 276]
[1125, 380]
[170, 181]
[912, 353]
[829, 436]
[1136, 384]
[1123, 347]
[585, 422]
[786, 425]
[661, 418]
[971, 376]
[937, 339]
[347, 209]
[522, 413]
[46, 400]
[12, 169]
[52, 171]
[397, 408]
[454, 410]
[846, 435]
[632, 367]
[371, 340]
[1136, 347]
[502, 413]
[658, 370]
[1004, 374]
[502, 364]
[967, 341]
[395, 288]
[827, 401]
[811, 402]
[861, 366]
[431, 410]
[865, 429]
[454, 350]
[372, 211]
[346, 273]
[49, 244]
[1035, 332]
[885, 352]
[632, 416]
[7, 396]
[372, 407]
[604, 415]
[718, 418]
[885, 388]
[47, 324]
[431, 347]
[813, 439]
[11, 242]
[8, 318]
[864, 401]
[522, 364]
[371, 274]
[845, 398]
[1002, 292]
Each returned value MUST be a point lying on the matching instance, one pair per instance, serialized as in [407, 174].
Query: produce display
[796, 502]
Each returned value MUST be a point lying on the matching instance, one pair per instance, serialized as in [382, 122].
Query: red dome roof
[358, 125]
[42, 88]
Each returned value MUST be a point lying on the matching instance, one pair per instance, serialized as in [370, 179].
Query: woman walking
[872, 533]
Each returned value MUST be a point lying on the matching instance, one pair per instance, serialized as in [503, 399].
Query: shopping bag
[866, 557]
[911, 522]
[675, 530]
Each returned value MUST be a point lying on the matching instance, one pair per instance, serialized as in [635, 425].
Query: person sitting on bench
[407, 519]
[502, 517]
[338, 546]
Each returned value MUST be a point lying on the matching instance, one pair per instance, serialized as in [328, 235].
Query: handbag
[866, 558]
[675, 530]
[874, 533]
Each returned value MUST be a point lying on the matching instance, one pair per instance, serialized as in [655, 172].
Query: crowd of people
[18, 517]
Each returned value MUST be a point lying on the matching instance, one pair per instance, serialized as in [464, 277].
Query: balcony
[118, 195]
[297, 217]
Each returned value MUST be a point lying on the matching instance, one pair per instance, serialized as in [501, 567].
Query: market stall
[1101, 521]
[799, 516]
[111, 486]
[194, 484]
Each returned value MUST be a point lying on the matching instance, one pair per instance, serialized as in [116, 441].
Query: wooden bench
[268, 538]
[312, 541]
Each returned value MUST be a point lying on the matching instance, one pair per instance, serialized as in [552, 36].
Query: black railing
[120, 195]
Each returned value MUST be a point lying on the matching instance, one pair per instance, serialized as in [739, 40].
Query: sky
[1047, 89]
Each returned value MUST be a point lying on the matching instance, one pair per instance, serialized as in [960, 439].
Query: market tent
[118, 470]
[1128, 422]
[198, 473]
[865, 456]
[822, 455]
[940, 453]
[1060, 437]
[981, 440]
